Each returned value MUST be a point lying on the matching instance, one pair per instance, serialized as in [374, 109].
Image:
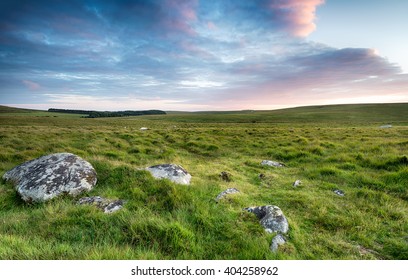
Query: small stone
[272, 163]
[173, 172]
[144, 128]
[106, 205]
[339, 192]
[297, 183]
[262, 176]
[276, 241]
[226, 192]
[386, 126]
[225, 176]
[113, 206]
[271, 218]
[91, 200]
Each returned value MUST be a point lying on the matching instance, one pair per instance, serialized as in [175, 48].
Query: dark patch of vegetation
[107, 114]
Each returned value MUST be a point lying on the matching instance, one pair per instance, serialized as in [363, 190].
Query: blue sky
[202, 55]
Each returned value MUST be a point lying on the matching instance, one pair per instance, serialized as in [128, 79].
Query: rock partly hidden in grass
[339, 192]
[106, 205]
[226, 192]
[271, 218]
[297, 183]
[225, 176]
[276, 241]
[49, 176]
[272, 163]
[173, 172]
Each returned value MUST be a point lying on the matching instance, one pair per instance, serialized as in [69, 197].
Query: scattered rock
[144, 128]
[106, 205]
[225, 176]
[386, 126]
[272, 163]
[297, 183]
[276, 241]
[339, 192]
[226, 192]
[49, 176]
[365, 251]
[173, 172]
[271, 218]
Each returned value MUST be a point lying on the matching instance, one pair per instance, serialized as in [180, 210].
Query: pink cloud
[180, 16]
[176, 25]
[211, 25]
[194, 49]
[185, 7]
[297, 15]
[31, 85]
[188, 13]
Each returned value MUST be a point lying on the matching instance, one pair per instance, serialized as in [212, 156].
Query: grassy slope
[6, 111]
[331, 147]
[345, 114]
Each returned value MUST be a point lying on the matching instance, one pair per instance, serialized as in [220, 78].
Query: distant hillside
[356, 113]
[393, 113]
[6, 109]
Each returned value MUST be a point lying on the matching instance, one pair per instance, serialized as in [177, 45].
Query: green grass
[327, 148]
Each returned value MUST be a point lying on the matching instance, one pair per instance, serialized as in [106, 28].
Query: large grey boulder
[271, 218]
[173, 172]
[49, 176]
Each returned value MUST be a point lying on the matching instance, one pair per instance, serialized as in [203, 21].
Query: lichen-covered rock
[173, 172]
[272, 163]
[106, 205]
[49, 176]
[276, 242]
[271, 218]
[339, 192]
[226, 192]
[297, 183]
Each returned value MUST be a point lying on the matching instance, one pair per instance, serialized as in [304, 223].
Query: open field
[326, 147]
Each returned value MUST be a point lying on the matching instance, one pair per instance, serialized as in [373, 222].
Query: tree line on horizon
[107, 114]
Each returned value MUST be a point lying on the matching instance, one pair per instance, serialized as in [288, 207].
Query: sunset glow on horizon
[196, 55]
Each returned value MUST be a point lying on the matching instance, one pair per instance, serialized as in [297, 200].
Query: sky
[200, 55]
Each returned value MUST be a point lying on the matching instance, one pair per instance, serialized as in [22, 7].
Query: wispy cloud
[31, 85]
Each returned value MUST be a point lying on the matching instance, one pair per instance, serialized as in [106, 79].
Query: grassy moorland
[326, 147]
